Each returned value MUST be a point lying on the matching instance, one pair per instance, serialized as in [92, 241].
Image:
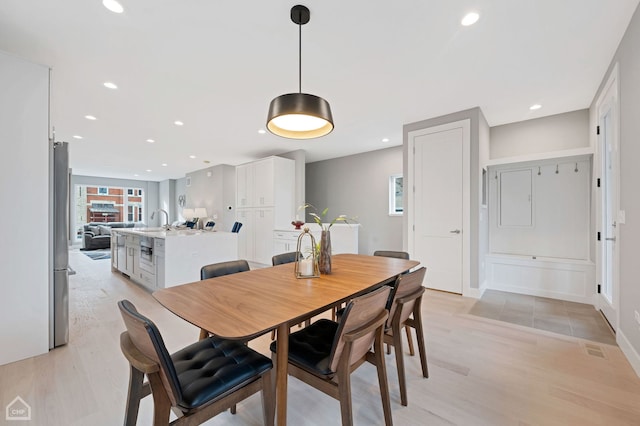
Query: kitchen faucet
[166, 215]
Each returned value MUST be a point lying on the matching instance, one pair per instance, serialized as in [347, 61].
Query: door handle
[611, 239]
[455, 231]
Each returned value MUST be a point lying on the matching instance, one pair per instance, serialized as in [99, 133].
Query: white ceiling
[216, 65]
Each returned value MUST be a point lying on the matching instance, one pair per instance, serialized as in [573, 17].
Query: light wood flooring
[482, 371]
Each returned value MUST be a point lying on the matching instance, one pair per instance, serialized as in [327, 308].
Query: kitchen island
[157, 258]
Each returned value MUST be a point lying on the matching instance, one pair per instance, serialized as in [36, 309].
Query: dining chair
[398, 255]
[405, 311]
[236, 227]
[281, 259]
[197, 382]
[218, 270]
[325, 353]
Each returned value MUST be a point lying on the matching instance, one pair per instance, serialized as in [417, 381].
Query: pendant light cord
[300, 55]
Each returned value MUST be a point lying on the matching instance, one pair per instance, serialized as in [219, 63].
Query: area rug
[98, 254]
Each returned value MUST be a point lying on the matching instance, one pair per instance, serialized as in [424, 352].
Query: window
[103, 190]
[396, 192]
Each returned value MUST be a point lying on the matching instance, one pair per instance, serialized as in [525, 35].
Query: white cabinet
[344, 238]
[132, 258]
[265, 201]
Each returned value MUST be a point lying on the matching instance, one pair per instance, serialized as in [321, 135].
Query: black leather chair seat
[310, 347]
[211, 367]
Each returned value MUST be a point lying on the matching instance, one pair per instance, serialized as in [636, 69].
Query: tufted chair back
[283, 258]
[390, 253]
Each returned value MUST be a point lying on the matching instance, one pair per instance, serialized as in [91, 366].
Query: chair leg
[268, 399]
[407, 329]
[421, 346]
[134, 395]
[161, 403]
[273, 335]
[382, 379]
[397, 343]
[344, 395]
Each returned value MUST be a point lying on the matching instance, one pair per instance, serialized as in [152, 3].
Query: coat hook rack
[557, 171]
[576, 169]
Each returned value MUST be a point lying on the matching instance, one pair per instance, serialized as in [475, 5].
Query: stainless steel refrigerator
[59, 304]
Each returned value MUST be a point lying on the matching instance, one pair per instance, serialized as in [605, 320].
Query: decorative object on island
[307, 264]
[299, 115]
[200, 213]
[324, 262]
[297, 223]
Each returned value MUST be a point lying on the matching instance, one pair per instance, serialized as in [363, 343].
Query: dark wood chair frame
[141, 365]
[338, 386]
[406, 314]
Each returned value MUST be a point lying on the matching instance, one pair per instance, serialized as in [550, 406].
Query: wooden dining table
[248, 304]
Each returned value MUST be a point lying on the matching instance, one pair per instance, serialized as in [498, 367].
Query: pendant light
[299, 115]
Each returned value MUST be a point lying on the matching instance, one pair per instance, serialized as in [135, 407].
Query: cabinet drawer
[147, 279]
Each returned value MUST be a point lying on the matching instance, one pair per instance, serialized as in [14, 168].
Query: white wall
[559, 132]
[628, 58]
[214, 188]
[24, 188]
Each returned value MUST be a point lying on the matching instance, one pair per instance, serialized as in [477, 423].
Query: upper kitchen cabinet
[265, 183]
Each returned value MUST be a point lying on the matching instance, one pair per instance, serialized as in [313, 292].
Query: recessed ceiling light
[89, 117]
[135, 174]
[150, 140]
[164, 164]
[470, 19]
[110, 85]
[385, 139]
[149, 170]
[192, 156]
[178, 123]
[113, 6]
[262, 131]
[535, 107]
[77, 136]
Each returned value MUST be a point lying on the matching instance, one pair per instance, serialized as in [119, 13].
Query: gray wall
[628, 58]
[569, 130]
[358, 185]
[479, 127]
[167, 199]
[214, 188]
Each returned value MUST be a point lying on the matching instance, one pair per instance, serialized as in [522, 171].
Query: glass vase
[325, 253]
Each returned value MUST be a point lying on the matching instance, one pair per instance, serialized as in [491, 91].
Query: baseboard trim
[629, 351]
[475, 293]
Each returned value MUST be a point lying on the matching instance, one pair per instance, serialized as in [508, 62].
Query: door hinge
[597, 130]
[599, 288]
[598, 235]
[598, 182]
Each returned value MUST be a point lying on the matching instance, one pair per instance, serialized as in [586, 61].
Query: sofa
[97, 235]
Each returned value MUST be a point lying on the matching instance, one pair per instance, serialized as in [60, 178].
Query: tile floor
[558, 316]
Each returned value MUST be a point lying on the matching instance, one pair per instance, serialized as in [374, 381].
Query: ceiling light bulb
[150, 140]
[262, 131]
[192, 156]
[89, 117]
[77, 136]
[470, 19]
[385, 139]
[535, 107]
[110, 85]
[164, 164]
[178, 123]
[113, 6]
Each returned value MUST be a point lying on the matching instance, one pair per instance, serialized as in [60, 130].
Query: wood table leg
[282, 362]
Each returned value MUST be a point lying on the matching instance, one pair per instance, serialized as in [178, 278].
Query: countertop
[162, 233]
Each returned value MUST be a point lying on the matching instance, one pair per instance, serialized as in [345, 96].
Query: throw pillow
[104, 230]
[95, 230]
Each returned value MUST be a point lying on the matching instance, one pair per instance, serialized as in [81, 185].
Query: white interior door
[439, 207]
[607, 298]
